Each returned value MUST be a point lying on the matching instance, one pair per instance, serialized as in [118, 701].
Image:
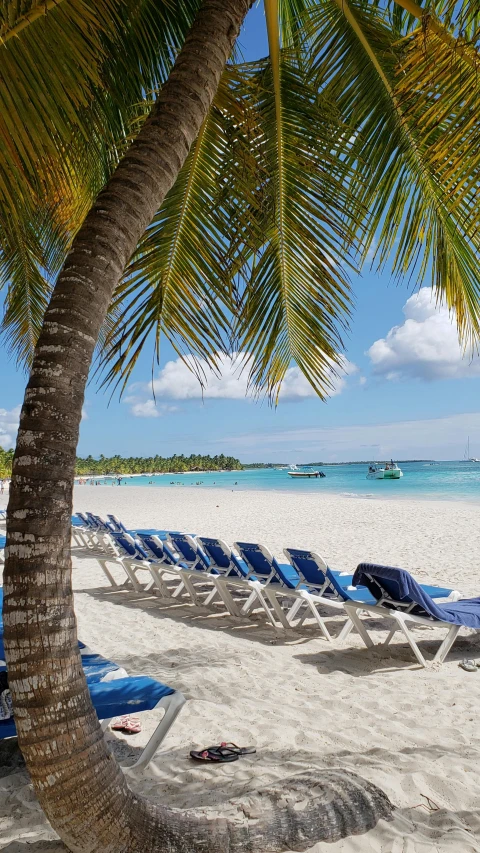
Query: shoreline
[325, 493]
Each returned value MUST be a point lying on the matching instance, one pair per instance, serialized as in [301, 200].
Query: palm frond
[73, 79]
[297, 297]
[411, 106]
[175, 283]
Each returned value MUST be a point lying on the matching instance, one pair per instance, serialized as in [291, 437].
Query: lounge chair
[265, 571]
[400, 598]
[3, 542]
[228, 571]
[127, 552]
[310, 583]
[320, 585]
[201, 568]
[114, 694]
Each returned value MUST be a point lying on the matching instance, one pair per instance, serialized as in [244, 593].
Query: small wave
[357, 494]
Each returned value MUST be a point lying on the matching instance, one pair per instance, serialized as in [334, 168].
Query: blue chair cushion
[127, 695]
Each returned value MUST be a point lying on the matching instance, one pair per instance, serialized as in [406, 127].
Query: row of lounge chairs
[248, 577]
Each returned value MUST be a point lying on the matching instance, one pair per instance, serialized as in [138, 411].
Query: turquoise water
[441, 481]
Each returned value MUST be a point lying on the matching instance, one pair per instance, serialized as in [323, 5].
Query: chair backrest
[129, 547]
[156, 548]
[395, 588]
[85, 521]
[117, 524]
[258, 562]
[312, 569]
[222, 558]
[190, 552]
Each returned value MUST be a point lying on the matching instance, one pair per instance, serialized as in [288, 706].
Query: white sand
[302, 702]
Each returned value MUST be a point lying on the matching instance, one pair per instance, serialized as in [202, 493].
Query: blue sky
[409, 392]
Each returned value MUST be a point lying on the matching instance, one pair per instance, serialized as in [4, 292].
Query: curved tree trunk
[80, 787]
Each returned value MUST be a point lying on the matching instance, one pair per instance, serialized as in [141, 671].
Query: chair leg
[252, 598]
[410, 640]
[319, 620]
[390, 636]
[354, 616]
[296, 606]
[257, 593]
[447, 644]
[173, 704]
[346, 630]
[109, 576]
[158, 581]
[277, 607]
[132, 577]
[227, 598]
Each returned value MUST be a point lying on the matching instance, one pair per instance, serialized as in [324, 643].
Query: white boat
[389, 471]
[466, 455]
[294, 472]
[375, 472]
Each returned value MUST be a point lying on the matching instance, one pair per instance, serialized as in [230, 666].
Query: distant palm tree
[247, 192]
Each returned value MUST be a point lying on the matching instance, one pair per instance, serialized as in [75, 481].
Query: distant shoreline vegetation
[154, 464]
[6, 459]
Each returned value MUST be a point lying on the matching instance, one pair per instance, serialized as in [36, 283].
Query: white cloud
[148, 408]
[425, 346]
[8, 427]
[177, 382]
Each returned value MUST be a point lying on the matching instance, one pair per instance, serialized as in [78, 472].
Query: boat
[388, 471]
[375, 472]
[466, 455]
[294, 472]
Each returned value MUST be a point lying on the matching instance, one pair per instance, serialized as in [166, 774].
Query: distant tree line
[6, 459]
[149, 464]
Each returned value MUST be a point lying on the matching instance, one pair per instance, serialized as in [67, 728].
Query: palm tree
[243, 191]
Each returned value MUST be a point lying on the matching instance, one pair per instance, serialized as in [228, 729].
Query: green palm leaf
[74, 75]
[175, 284]
[411, 106]
[297, 296]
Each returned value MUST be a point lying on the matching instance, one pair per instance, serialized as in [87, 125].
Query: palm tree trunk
[80, 787]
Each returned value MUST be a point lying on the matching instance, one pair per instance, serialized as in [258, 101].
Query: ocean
[426, 480]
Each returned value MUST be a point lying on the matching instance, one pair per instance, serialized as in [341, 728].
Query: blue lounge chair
[3, 542]
[127, 552]
[266, 572]
[400, 598]
[318, 581]
[114, 694]
[308, 581]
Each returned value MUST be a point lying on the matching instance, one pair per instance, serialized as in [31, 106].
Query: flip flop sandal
[469, 665]
[238, 750]
[126, 724]
[214, 755]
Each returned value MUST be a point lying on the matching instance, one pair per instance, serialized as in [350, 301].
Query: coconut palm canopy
[357, 136]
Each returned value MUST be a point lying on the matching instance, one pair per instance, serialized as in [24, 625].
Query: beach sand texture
[304, 703]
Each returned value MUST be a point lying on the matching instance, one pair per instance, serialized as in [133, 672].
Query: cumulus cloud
[141, 408]
[177, 382]
[424, 346]
[8, 427]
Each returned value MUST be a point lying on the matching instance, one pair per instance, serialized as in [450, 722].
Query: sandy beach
[303, 703]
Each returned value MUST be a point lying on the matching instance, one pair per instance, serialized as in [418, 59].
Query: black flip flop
[214, 755]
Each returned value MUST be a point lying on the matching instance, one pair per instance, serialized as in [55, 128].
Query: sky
[407, 392]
